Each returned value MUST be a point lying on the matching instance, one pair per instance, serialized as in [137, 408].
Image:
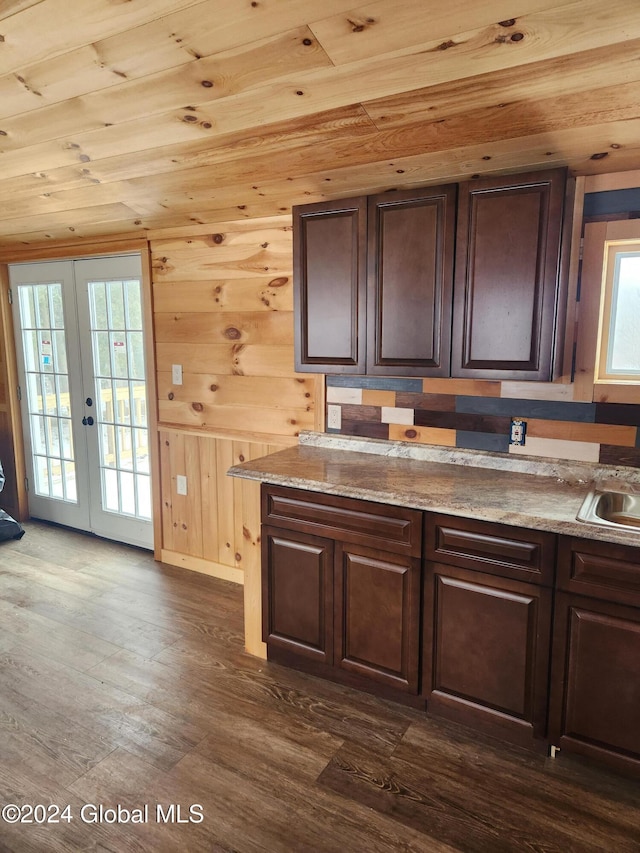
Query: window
[619, 336]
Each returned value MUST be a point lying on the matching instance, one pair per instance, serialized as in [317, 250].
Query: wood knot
[278, 282]
[217, 239]
[232, 334]
[238, 557]
[197, 407]
[171, 395]
[190, 118]
[411, 433]
[207, 84]
[213, 387]
[508, 23]
[600, 155]
[241, 457]
[307, 42]
[446, 45]
[517, 37]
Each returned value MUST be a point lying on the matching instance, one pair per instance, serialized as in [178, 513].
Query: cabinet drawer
[600, 570]
[389, 528]
[497, 549]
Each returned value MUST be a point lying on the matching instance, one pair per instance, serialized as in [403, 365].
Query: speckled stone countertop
[521, 491]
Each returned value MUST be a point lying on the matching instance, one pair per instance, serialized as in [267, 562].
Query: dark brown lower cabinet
[487, 626]
[342, 595]
[341, 587]
[376, 616]
[298, 607]
[486, 652]
[595, 686]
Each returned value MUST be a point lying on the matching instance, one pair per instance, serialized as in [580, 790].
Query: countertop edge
[565, 526]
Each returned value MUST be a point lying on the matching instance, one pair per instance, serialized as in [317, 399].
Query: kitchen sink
[611, 509]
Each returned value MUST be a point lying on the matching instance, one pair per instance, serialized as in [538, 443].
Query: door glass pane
[47, 387]
[623, 356]
[118, 359]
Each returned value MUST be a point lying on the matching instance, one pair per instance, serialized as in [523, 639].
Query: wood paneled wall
[223, 310]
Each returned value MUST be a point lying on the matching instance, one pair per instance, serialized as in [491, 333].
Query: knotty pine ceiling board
[106, 109]
[379, 28]
[155, 97]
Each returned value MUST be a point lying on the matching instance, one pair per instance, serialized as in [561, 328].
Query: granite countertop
[521, 491]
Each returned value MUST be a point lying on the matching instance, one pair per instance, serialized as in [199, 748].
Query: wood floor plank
[123, 680]
[29, 631]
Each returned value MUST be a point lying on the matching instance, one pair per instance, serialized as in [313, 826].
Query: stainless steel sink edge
[594, 508]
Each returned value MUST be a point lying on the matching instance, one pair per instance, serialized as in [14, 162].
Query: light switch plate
[176, 374]
[181, 484]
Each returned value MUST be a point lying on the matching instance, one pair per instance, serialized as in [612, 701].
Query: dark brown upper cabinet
[509, 292]
[330, 276]
[386, 264]
[405, 255]
[410, 281]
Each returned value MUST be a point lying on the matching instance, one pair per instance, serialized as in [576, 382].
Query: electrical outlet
[181, 484]
[334, 417]
[518, 433]
[176, 374]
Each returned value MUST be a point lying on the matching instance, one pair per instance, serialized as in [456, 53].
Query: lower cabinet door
[595, 683]
[297, 593]
[486, 651]
[376, 616]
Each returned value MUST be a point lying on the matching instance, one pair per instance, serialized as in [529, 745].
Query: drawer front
[389, 528]
[600, 570]
[497, 549]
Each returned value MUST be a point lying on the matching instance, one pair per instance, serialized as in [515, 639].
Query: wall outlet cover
[176, 374]
[181, 484]
[518, 432]
[334, 417]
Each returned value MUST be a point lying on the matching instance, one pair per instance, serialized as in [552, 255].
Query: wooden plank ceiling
[138, 117]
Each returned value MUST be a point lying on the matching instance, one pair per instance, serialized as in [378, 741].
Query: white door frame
[87, 513]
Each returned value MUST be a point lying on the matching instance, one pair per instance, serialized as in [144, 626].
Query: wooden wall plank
[252, 294]
[210, 504]
[272, 421]
[246, 327]
[262, 392]
[240, 359]
[226, 508]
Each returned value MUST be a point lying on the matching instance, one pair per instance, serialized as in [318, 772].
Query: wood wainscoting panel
[215, 527]
[223, 310]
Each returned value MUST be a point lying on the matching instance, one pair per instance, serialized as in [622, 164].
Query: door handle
[88, 421]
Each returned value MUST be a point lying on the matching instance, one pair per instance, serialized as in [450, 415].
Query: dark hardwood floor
[124, 682]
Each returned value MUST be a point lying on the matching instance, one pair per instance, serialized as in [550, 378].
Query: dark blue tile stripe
[546, 410]
[482, 441]
[612, 201]
[375, 383]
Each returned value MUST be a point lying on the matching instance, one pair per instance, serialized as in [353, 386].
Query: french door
[79, 336]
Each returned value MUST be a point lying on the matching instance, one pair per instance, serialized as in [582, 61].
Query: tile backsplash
[477, 415]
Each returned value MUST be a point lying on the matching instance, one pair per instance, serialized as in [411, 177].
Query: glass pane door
[112, 343]
[81, 353]
[47, 387]
[42, 294]
[118, 363]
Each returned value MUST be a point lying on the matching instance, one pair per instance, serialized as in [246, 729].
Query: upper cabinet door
[329, 264]
[410, 281]
[507, 280]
